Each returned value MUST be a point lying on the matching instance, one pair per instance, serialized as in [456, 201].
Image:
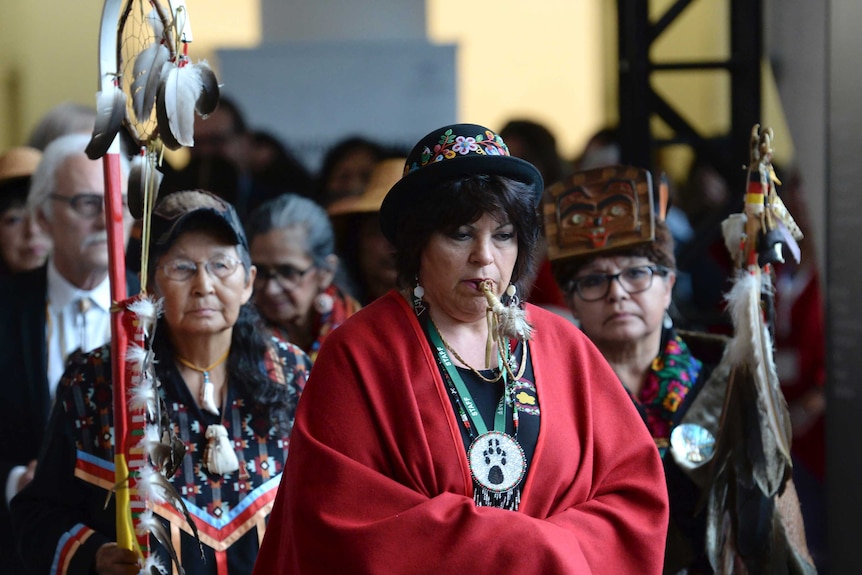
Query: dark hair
[463, 201]
[284, 173]
[248, 346]
[13, 192]
[245, 368]
[659, 251]
[337, 153]
[228, 105]
[540, 147]
[348, 245]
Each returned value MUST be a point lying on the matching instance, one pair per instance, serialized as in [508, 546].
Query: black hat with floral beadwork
[448, 153]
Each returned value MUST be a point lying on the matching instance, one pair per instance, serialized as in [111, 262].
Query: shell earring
[323, 303]
[512, 296]
[418, 293]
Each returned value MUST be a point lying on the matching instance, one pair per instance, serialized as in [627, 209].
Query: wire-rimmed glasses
[182, 269]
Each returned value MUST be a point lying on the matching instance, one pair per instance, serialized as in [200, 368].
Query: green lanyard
[463, 392]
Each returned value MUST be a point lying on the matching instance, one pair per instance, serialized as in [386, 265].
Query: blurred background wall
[554, 61]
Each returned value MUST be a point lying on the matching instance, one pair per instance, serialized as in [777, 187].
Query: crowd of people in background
[306, 252]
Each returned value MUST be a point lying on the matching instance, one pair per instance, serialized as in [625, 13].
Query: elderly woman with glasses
[293, 249]
[613, 255]
[229, 393]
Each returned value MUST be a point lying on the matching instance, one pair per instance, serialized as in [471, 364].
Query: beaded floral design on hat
[451, 152]
[451, 146]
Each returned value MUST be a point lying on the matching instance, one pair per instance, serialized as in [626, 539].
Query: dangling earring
[418, 294]
[668, 321]
[323, 303]
[512, 296]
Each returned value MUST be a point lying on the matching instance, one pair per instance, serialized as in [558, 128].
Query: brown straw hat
[16, 168]
[383, 177]
[19, 162]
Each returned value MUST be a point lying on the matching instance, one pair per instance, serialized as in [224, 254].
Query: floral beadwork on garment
[452, 146]
[672, 374]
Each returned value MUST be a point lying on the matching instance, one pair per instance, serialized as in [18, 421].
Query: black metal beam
[668, 18]
[638, 102]
[746, 47]
[634, 93]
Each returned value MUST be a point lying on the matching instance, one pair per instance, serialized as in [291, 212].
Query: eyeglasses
[181, 269]
[635, 279]
[286, 275]
[87, 205]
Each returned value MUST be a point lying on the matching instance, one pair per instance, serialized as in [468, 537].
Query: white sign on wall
[312, 94]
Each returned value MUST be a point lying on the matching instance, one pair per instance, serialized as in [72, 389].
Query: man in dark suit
[47, 313]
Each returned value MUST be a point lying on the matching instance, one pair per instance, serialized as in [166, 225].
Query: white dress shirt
[68, 328]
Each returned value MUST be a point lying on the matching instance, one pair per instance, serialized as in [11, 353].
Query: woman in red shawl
[443, 430]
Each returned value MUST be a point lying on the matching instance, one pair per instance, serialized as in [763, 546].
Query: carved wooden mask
[596, 210]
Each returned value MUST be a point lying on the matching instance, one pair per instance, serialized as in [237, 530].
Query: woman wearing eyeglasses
[613, 255]
[618, 284]
[293, 248]
[230, 393]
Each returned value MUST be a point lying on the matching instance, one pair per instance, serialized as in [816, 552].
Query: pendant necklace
[459, 358]
[219, 455]
[207, 393]
[496, 459]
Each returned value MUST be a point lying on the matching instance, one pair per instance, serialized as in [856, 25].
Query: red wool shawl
[377, 479]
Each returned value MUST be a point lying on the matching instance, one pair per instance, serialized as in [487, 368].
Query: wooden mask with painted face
[596, 210]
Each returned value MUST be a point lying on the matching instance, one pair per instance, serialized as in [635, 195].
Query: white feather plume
[733, 230]
[179, 91]
[136, 356]
[147, 310]
[145, 521]
[150, 485]
[153, 564]
[152, 436]
[744, 306]
[143, 397]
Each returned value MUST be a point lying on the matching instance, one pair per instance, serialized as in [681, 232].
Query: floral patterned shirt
[672, 375]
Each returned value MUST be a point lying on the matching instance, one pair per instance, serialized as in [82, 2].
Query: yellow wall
[701, 33]
[550, 60]
[47, 55]
[541, 60]
[49, 51]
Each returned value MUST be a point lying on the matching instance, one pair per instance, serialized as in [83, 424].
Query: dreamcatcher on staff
[149, 92]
